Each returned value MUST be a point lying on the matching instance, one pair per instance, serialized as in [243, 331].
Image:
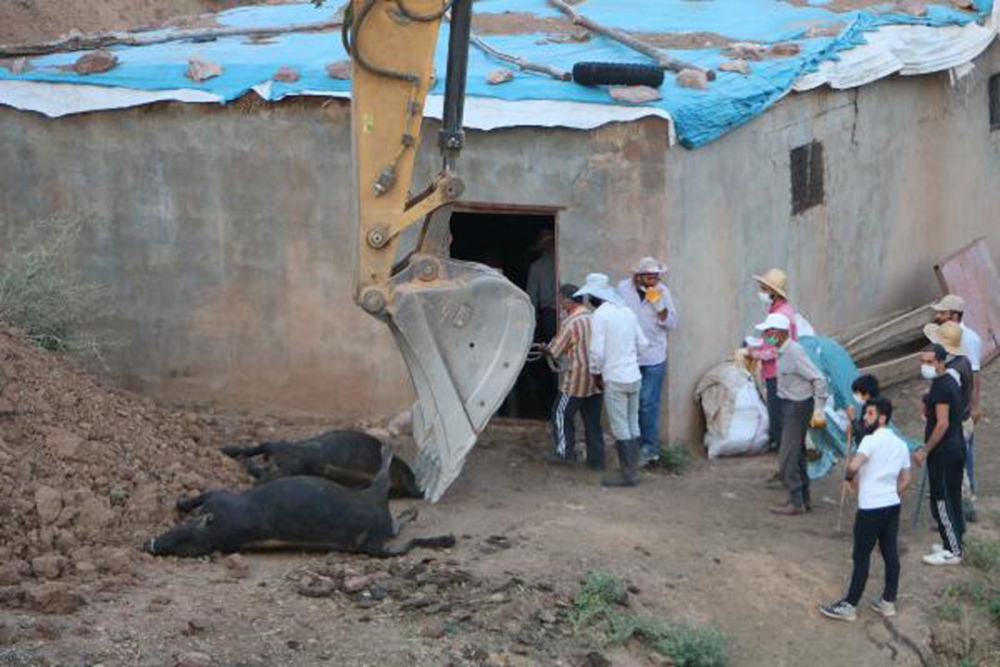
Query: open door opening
[514, 242]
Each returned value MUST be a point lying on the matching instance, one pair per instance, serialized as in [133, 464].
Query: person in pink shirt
[772, 292]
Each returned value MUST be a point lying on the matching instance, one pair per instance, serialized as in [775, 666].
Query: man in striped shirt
[578, 390]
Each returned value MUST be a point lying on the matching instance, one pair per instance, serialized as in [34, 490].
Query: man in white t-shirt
[881, 469]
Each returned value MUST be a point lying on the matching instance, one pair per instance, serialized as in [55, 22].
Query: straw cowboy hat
[598, 285]
[648, 265]
[775, 280]
[948, 336]
[775, 321]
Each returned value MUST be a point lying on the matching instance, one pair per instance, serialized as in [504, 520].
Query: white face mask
[764, 297]
[859, 399]
[928, 372]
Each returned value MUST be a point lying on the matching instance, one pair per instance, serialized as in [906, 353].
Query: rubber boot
[628, 463]
[633, 454]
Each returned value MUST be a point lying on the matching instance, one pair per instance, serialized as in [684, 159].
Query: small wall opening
[994, 94]
[512, 241]
[807, 177]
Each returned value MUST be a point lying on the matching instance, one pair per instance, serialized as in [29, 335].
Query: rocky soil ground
[89, 472]
[35, 21]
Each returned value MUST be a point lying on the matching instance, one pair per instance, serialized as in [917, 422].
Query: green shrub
[993, 606]
[674, 458]
[599, 593]
[981, 553]
[690, 646]
[600, 613]
[41, 295]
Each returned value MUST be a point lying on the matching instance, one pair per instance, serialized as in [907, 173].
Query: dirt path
[699, 547]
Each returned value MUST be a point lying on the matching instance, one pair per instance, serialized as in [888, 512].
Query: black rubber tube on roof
[617, 74]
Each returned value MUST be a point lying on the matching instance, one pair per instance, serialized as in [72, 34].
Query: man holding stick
[881, 470]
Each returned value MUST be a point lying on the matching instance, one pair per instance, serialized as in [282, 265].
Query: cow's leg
[186, 505]
[409, 515]
[386, 551]
[242, 451]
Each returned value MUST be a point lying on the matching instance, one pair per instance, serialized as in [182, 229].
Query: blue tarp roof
[699, 115]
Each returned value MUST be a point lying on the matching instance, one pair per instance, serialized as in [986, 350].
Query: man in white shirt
[951, 308]
[646, 296]
[881, 470]
[616, 340]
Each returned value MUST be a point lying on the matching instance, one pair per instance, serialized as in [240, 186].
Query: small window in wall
[807, 177]
[995, 102]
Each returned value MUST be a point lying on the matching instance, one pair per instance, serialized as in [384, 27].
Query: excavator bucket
[464, 331]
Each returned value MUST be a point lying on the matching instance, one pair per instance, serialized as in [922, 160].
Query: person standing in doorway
[615, 344]
[944, 453]
[541, 288]
[881, 471]
[646, 296]
[802, 389]
[771, 290]
[541, 285]
[951, 308]
[578, 390]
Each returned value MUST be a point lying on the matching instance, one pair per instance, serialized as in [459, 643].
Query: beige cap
[649, 265]
[775, 280]
[950, 302]
[947, 335]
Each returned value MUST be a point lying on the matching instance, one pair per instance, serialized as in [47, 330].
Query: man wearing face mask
[951, 308]
[865, 388]
[944, 453]
[802, 390]
[646, 296]
[771, 292]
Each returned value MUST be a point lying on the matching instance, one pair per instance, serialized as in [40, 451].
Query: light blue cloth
[700, 115]
[836, 364]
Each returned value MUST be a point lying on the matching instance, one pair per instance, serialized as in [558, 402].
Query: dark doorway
[510, 242]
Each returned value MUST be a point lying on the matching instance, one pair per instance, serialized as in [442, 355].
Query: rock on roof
[760, 49]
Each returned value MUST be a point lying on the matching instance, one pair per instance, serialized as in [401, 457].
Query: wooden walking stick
[843, 486]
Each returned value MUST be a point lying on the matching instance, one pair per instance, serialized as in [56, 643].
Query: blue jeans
[970, 462]
[649, 407]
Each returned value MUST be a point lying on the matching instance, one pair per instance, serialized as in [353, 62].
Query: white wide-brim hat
[598, 285]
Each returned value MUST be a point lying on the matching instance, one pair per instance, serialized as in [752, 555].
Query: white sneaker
[887, 609]
[840, 611]
[943, 557]
[937, 548]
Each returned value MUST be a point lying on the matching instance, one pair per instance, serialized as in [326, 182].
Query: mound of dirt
[88, 472]
[35, 21]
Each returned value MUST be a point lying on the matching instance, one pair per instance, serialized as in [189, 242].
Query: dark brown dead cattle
[294, 513]
[350, 458]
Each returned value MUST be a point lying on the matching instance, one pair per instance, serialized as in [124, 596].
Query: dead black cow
[296, 513]
[349, 457]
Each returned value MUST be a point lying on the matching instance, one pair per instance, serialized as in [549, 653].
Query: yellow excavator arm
[462, 328]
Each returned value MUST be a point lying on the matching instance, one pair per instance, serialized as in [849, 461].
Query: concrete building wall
[224, 237]
[225, 233]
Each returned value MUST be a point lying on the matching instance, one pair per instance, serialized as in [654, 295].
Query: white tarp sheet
[63, 99]
[904, 49]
